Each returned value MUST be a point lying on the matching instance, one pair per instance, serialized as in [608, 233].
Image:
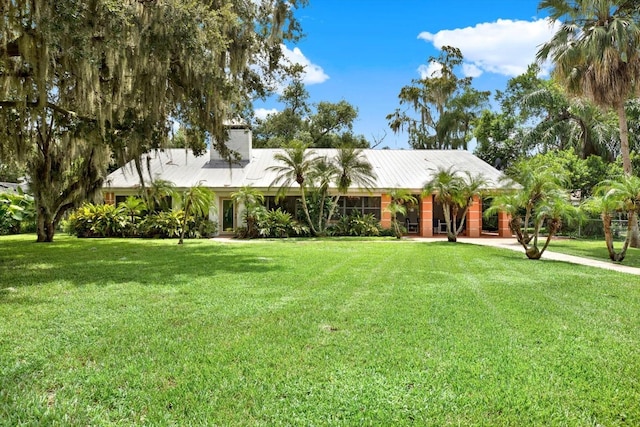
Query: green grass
[595, 249]
[127, 332]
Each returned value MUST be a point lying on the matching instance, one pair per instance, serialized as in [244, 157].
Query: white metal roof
[406, 169]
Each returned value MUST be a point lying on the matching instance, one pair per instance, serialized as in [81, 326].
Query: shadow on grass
[149, 262]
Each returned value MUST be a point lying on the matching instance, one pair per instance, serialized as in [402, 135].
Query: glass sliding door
[228, 215]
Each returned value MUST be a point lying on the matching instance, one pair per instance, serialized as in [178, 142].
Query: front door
[228, 216]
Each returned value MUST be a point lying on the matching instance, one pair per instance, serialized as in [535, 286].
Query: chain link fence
[593, 228]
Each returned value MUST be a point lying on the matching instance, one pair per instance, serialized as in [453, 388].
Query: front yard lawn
[129, 332]
[594, 249]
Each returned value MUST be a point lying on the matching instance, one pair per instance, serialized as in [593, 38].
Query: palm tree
[456, 193]
[616, 196]
[400, 198]
[133, 207]
[251, 199]
[322, 175]
[195, 201]
[596, 53]
[541, 202]
[351, 168]
[297, 162]
[159, 194]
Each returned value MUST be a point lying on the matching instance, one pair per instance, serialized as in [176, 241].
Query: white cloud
[262, 113]
[433, 69]
[471, 70]
[313, 74]
[503, 47]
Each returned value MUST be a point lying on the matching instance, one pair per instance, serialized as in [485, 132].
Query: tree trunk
[533, 252]
[608, 235]
[634, 238]
[305, 208]
[46, 226]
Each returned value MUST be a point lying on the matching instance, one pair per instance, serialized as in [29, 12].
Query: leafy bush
[200, 228]
[91, 220]
[356, 224]
[278, 223]
[162, 225]
[17, 213]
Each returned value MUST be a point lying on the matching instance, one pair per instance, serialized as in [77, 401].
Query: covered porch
[427, 219]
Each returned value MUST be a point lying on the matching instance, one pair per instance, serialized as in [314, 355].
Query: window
[287, 204]
[362, 205]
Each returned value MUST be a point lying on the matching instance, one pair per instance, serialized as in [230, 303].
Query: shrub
[200, 228]
[17, 213]
[162, 224]
[356, 224]
[278, 223]
[126, 220]
[91, 220]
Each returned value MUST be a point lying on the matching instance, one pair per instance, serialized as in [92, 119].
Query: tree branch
[51, 106]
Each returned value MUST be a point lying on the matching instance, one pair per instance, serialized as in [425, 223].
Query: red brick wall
[426, 216]
[503, 224]
[474, 218]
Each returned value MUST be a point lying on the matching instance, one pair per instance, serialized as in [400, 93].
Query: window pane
[372, 202]
[353, 202]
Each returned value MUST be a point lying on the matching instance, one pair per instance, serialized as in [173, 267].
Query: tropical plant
[134, 208]
[15, 210]
[596, 53]
[456, 192]
[541, 203]
[98, 220]
[162, 224]
[158, 195]
[296, 164]
[613, 197]
[349, 167]
[356, 224]
[251, 200]
[278, 223]
[195, 201]
[400, 198]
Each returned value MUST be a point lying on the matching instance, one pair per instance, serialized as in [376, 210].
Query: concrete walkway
[512, 244]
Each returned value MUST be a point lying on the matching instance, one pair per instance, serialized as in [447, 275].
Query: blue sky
[365, 51]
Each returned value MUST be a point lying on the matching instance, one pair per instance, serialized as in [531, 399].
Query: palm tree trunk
[608, 235]
[184, 225]
[634, 238]
[305, 208]
[332, 210]
[627, 240]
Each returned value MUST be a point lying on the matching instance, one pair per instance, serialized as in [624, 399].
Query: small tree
[251, 199]
[296, 163]
[195, 201]
[400, 198]
[614, 197]
[455, 192]
[347, 168]
[133, 207]
[542, 202]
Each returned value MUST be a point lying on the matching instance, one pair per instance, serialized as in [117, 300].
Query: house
[395, 169]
